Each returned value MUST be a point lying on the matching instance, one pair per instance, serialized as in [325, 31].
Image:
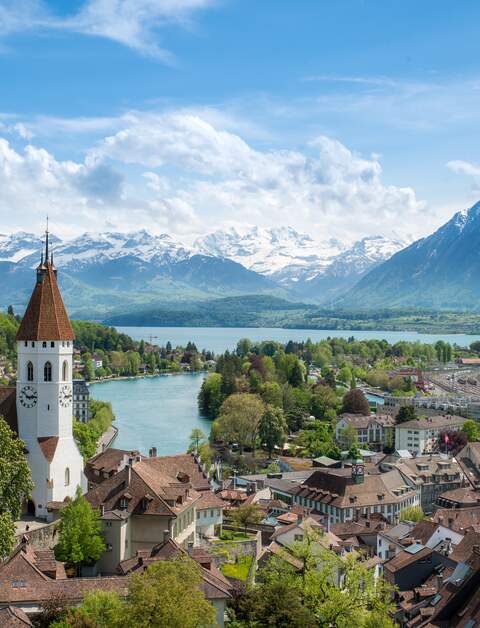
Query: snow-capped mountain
[138, 267]
[439, 271]
[269, 251]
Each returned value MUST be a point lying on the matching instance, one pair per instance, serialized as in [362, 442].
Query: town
[306, 483]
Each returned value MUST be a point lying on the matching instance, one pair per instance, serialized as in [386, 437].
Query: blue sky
[343, 119]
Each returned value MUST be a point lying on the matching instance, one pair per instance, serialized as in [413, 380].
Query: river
[219, 339]
[162, 411]
[154, 411]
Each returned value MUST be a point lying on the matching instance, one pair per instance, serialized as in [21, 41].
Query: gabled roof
[48, 445]
[46, 317]
[12, 617]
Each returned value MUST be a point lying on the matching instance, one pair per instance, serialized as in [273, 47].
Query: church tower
[44, 392]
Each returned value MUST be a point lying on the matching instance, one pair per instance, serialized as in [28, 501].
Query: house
[413, 565]
[457, 519]
[30, 577]
[12, 617]
[422, 435]
[97, 360]
[433, 475]
[81, 400]
[108, 463]
[139, 507]
[459, 498]
[215, 586]
[346, 494]
[374, 430]
[469, 460]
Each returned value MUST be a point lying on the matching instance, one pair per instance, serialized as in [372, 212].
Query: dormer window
[123, 503]
[52, 344]
[44, 345]
[26, 343]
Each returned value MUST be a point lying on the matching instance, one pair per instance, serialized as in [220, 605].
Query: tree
[355, 402]
[412, 513]
[324, 401]
[210, 397]
[452, 440]
[197, 437]
[99, 609]
[15, 485]
[349, 436]
[239, 419]
[273, 429]
[245, 514]
[168, 595]
[80, 540]
[470, 429]
[406, 413]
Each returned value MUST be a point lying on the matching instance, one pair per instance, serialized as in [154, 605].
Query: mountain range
[99, 271]
[441, 271]
[107, 275]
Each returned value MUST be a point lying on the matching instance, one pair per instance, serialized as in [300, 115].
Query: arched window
[67, 477]
[30, 372]
[47, 372]
[65, 371]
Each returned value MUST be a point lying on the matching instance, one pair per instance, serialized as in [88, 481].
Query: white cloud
[178, 172]
[464, 167]
[133, 23]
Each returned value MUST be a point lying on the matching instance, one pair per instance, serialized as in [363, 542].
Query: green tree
[406, 413]
[80, 540]
[99, 609]
[470, 428]
[168, 595]
[324, 402]
[210, 397]
[239, 419]
[89, 370]
[15, 485]
[197, 437]
[273, 429]
[412, 513]
[245, 514]
[355, 402]
[348, 436]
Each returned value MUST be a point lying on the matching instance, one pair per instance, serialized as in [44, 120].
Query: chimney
[154, 452]
[166, 535]
[102, 510]
[104, 446]
[129, 471]
[439, 582]
[190, 547]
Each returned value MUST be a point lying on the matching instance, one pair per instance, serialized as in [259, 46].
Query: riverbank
[119, 378]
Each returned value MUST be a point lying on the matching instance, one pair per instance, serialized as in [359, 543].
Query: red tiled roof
[48, 444]
[11, 617]
[46, 317]
[8, 406]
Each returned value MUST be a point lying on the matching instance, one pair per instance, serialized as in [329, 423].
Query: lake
[219, 339]
[154, 411]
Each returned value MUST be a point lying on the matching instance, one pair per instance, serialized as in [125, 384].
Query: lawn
[238, 569]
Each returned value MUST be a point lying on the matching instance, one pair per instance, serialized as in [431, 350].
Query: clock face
[28, 396]
[65, 395]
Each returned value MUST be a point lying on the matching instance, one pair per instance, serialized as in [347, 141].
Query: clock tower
[44, 392]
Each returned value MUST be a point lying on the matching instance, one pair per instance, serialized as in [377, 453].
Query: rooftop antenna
[46, 243]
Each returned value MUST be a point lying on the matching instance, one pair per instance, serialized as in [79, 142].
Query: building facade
[44, 393]
[81, 400]
[422, 435]
[375, 430]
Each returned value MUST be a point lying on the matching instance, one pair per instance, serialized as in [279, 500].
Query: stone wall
[43, 537]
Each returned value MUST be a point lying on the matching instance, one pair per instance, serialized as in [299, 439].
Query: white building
[44, 393]
[375, 430]
[422, 435]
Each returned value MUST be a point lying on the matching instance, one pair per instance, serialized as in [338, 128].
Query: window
[298, 537]
[47, 372]
[26, 343]
[18, 584]
[30, 372]
[123, 503]
[65, 371]
[67, 477]
[52, 344]
[109, 547]
[44, 344]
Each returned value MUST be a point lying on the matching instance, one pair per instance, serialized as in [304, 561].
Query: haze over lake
[219, 339]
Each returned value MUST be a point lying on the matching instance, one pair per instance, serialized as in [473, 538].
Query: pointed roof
[46, 317]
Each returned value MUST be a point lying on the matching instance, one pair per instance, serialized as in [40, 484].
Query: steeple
[46, 317]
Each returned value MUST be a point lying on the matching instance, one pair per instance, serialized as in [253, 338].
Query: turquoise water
[375, 398]
[219, 339]
[154, 411]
